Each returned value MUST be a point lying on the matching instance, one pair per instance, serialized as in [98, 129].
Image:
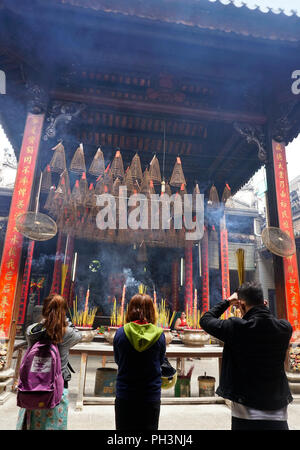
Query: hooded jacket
[253, 357]
[139, 351]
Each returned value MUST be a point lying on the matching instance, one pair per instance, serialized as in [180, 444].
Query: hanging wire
[164, 155]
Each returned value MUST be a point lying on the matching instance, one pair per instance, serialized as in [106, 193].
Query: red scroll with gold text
[290, 266]
[12, 249]
[205, 272]
[188, 294]
[224, 261]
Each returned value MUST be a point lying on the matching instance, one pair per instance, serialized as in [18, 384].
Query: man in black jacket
[255, 346]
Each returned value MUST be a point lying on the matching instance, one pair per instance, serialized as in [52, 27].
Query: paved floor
[172, 417]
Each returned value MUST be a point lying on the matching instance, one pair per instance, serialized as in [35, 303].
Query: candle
[122, 302]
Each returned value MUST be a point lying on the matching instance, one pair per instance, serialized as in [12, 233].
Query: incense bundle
[97, 167]
[240, 258]
[78, 162]
[58, 161]
[177, 177]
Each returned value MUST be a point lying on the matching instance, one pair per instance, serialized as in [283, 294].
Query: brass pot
[194, 337]
[87, 333]
[110, 334]
[168, 335]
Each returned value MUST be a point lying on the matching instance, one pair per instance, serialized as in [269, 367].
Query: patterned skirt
[45, 419]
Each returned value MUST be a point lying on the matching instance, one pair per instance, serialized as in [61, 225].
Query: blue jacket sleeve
[211, 323]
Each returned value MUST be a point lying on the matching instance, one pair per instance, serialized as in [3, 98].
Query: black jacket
[253, 358]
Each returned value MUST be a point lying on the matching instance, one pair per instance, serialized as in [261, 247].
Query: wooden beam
[209, 114]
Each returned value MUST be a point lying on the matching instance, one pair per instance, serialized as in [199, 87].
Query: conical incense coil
[226, 194]
[117, 168]
[99, 188]
[83, 185]
[78, 162]
[90, 197]
[213, 199]
[128, 181]
[50, 198]
[108, 181]
[154, 170]
[145, 182]
[58, 161]
[76, 194]
[177, 178]
[46, 179]
[97, 167]
[115, 188]
[136, 168]
[65, 182]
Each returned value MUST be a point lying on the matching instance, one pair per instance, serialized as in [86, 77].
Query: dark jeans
[244, 424]
[136, 415]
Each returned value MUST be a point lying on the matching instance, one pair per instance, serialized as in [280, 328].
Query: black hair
[252, 293]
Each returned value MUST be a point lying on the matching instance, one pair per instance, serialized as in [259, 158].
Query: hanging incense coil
[65, 183]
[136, 169]
[145, 182]
[177, 178]
[97, 167]
[213, 199]
[117, 168]
[182, 190]
[226, 194]
[50, 198]
[115, 188]
[154, 170]
[108, 181]
[83, 186]
[128, 181]
[46, 179]
[58, 161]
[76, 194]
[90, 197]
[99, 187]
[78, 161]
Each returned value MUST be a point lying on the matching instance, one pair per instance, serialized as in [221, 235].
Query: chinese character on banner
[12, 248]
[290, 265]
[224, 262]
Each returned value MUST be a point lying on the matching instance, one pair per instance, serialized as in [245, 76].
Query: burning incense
[87, 299]
[123, 300]
[195, 309]
[154, 298]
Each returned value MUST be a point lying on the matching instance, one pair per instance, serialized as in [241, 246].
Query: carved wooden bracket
[37, 98]
[283, 123]
[61, 113]
[253, 133]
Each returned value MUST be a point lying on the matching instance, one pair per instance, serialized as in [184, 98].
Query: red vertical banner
[290, 266]
[25, 283]
[12, 249]
[205, 271]
[175, 285]
[188, 293]
[224, 261]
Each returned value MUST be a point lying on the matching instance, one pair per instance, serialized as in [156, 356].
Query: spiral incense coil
[58, 161]
[46, 179]
[117, 168]
[177, 178]
[154, 171]
[97, 167]
[78, 161]
[136, 168]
